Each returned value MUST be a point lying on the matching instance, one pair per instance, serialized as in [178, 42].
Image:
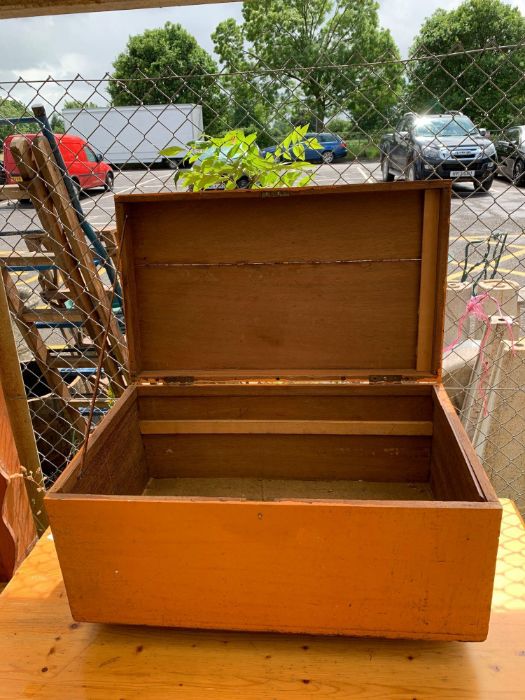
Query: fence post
[14, 393]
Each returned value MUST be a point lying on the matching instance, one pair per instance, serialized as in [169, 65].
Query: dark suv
[446, 146]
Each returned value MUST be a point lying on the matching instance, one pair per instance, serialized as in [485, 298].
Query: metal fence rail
[487, 239]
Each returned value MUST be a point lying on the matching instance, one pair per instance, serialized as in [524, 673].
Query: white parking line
[365, 173]
[136, 185]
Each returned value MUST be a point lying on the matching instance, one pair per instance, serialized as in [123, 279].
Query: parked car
[510, 151]
[446, 146]
[85, 167]
[332, 148]
[225, 154]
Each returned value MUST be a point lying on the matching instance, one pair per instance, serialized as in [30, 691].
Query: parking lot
[475, 215]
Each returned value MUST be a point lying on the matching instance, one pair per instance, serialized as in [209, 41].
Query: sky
[66, 45]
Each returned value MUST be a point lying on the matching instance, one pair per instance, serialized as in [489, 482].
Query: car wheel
[76, 186]
[484, 185]
[243, 183]
[411, 173]
[173, 163]
[327, 157]
[518, 173]
[109, 182]
[385, 171]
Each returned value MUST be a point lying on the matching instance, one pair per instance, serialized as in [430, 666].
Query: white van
[136, 134]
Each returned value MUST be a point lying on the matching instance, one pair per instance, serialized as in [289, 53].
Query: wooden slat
[27, 258]
[441, 279]
[9, 192]
[323, 403]
[32, 8]
[285, 427]
[19, 417]
[40, 352]
[427, 290]
[72, 361]
[51, 315]
[370, 457]
[20, 491]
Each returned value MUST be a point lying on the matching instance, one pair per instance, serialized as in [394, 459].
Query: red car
[85, 167]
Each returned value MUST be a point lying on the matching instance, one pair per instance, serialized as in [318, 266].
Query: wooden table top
[45, 654]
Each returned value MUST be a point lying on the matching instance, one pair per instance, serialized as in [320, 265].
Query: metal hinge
[386, 378]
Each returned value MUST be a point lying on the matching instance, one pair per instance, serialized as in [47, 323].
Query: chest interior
[271, 443]
[282, 309]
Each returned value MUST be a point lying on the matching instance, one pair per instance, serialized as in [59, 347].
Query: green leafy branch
[234, 161]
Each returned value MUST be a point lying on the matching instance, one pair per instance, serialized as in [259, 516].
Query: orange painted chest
[286, 458]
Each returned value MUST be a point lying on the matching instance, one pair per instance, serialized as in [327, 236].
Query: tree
[252, 98]
[486, 84]
[322, 57]
[57, 124]
[12, 109]
[78, 104]
[167, 65]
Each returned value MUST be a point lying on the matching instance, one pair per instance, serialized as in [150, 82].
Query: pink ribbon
[476, 308]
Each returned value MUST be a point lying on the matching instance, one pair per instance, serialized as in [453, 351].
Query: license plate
[16, 179]
[462, 173]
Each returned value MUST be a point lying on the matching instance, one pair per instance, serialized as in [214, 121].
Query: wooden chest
[287, 458]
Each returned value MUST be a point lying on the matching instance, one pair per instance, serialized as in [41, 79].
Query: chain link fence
[394, 123]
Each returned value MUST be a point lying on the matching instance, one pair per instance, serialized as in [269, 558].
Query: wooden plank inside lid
[316, 282]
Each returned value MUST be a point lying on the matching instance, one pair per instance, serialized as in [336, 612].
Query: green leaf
[298, 151]
[171, 151]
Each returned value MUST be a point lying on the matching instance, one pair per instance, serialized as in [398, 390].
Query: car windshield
[445, 126]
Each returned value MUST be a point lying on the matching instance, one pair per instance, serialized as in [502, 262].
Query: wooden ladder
[76, 302]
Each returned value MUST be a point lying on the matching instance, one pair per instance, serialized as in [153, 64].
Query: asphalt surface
[475, 215]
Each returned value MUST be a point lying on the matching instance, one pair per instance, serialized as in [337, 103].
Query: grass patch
[361, 149]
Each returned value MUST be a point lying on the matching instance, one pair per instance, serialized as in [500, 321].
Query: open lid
[318, 282]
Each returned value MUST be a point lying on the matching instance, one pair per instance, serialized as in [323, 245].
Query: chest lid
[319, 282]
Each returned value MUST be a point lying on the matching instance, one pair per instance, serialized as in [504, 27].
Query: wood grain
[17, 529]
[115, 462]
[286, 402]
[287, 489]
[374, 568]
[12, 192]
[45, 654]
[302, 317]
[17, 420]
[31, 8]
[284, 427]
[456, 471]
[369, 457]
[429, 274]
[291, 294]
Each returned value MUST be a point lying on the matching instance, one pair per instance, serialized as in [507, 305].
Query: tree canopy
[10, 109]
[79, 104]
[310, 60]
[487, 84]
[167, 65]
